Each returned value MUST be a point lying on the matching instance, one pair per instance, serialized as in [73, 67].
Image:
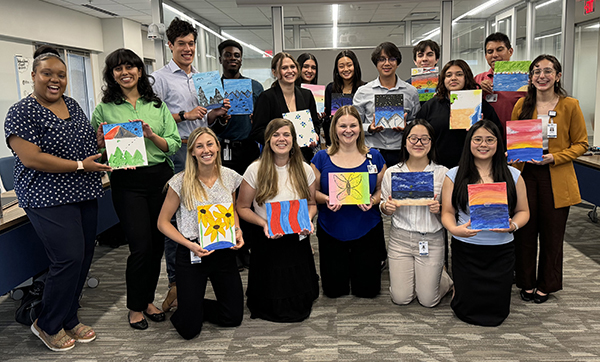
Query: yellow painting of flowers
[216, 224]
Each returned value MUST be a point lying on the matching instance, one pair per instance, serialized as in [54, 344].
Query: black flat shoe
[156, 317]
[143, 324]
[539, 299]
[528, 297]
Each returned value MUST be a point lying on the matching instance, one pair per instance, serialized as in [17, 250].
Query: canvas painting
[303, 124]
[389, 110]
[349, 188]
[318, 92]
[216, 225]
[524, 140]
[239, 93]
[412, 188]
[338, 100]
[488, 206]
[125, 145]
[465, 108]
[209, 89]
[288, 217]
[425, 80]
[512, 76]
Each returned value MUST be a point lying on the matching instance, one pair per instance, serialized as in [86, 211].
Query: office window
[80, 81]
[547, 25]
[584, 71]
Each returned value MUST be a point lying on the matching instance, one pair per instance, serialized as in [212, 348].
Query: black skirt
[282, 280]
[483, 276]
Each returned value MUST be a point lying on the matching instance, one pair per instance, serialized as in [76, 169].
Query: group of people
[197, 157]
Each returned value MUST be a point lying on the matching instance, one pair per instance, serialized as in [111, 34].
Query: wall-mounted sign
[23, 69]
[588, 7]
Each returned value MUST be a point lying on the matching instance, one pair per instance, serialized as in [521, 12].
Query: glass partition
[547, 25]
[584, 71]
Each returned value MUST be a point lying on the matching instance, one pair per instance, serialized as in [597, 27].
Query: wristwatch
[80, 168]
[182, 115]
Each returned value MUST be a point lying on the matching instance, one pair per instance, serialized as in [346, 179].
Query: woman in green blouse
[137, 193]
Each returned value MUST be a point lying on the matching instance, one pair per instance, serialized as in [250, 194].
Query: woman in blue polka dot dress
[57, 183]
[138, 194]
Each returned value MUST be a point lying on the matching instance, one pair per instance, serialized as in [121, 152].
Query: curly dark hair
[112, 92]
[180, 28]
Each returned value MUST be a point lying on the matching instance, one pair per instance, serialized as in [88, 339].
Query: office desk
[22, 254]
[587, 169]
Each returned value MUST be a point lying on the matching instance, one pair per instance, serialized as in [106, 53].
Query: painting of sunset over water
[488, 206]
[524, 139]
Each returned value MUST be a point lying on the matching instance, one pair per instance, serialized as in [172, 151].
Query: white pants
[414, 275]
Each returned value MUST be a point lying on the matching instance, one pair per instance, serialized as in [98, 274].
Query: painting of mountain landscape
[389, 110]
[524, 140]
[488, 206]
[125, 145]
[425, 80]
[209, 89]
[239, 93]
[412, 188]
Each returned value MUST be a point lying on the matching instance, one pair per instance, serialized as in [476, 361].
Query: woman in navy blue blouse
[57, 183]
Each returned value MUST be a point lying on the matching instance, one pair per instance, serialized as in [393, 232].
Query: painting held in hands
[239, 93]
[488, 206]
[125, 145]
[349, 188]
[338, 100]
[524, 140]
[303, 125]
[425, 80]
[216, 224]
[318, 92]
[209, 89]
[389, 110]
[412, 188]
[511, 76]
[465, 108]
[288, 217]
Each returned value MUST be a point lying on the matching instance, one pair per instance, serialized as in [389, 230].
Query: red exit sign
[588, 7]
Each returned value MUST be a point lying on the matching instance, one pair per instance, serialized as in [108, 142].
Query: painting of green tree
[125, 145]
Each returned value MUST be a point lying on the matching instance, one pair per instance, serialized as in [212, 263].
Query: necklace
[289, 101]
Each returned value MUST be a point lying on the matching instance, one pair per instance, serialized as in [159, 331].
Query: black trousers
[192, 308]
[138, 196]
[68, 233]
[353, 265]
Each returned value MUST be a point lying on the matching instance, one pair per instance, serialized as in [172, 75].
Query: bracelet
[515, 225]
[237, 229]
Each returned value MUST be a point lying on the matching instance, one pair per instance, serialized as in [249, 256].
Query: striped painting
[287, 217]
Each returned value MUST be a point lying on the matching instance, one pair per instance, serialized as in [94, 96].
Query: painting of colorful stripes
[488, 206]
[524, 140]
[287, 217]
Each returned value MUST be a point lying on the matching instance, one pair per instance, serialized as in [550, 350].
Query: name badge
[226, 151]
[372, 168]
[423, 248]
[195, 259]
[491, 98]
[552, 130]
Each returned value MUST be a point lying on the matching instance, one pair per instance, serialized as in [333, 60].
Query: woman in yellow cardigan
[551, 183]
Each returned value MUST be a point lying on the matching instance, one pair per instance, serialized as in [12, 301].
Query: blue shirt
[239, 126]
[484, 237]
[364, 101]
[71, 139]
[176, 88]
[349, 222]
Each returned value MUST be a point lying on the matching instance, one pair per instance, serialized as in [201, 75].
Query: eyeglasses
[383, 59]
[547, 71]
[425, 140]
[480, 140]
[232, 56]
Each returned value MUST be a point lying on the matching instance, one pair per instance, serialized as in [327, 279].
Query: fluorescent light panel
[547, 36]
[544, 4]
[335, 8]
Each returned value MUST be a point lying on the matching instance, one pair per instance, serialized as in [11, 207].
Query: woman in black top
[456, 75]
[283, 97]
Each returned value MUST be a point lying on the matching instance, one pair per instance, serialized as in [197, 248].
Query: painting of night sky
[412, 188]
[389, 110]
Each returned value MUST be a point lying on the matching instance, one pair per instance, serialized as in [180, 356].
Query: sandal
[57, 342]
[82, 333]
[171, 299]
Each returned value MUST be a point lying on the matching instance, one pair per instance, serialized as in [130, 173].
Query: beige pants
[414, 275]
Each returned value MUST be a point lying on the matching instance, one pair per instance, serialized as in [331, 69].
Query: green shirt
[160, 121]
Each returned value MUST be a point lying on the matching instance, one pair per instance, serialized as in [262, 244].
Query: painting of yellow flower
[216, 226]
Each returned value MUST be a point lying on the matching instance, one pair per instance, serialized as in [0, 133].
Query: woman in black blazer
[283, 97]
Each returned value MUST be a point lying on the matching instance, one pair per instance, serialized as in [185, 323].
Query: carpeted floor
[566, 328]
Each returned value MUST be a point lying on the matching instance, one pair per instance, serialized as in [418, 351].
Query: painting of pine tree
[125, 145]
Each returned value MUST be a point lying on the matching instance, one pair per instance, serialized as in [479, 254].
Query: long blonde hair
[267, 173]
[335, 140]
[191, 188]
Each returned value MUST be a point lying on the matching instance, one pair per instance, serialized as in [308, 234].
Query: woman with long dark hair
[482, 260]
[57, 183]
[456, 75]
[416, 272]
[282, 281]
[309, 69]
[347, 77]
[551, 183]
[138, 193]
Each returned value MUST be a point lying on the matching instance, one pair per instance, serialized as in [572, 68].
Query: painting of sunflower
[216, 226]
